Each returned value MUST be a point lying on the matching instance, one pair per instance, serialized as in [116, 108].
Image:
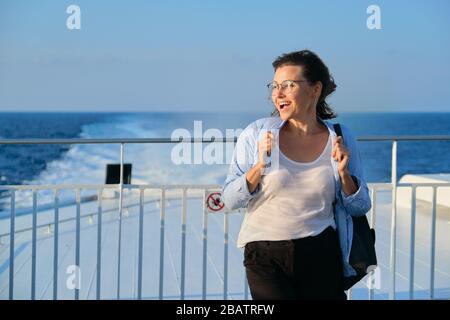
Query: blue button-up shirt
[235, 193]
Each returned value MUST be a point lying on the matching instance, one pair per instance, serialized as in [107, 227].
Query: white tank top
[294, 201]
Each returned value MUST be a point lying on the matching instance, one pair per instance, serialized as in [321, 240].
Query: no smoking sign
[214, 202]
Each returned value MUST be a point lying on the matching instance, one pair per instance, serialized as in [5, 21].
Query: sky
[216, 55]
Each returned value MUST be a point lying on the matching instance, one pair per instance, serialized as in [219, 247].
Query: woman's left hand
[340, 154]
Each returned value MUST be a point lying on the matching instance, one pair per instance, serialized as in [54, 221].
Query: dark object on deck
[113, 173]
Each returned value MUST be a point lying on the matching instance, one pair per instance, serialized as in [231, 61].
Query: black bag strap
[338, 130]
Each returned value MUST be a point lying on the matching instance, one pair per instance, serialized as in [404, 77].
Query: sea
[151, 163]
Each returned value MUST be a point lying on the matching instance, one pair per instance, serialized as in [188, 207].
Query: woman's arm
[243, 179]
[254, 177]
[235, 191]
[357, 203]
[349, 184]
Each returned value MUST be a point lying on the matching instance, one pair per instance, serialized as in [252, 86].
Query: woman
[297, 231]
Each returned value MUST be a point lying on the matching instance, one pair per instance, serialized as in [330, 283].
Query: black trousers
[306, 268]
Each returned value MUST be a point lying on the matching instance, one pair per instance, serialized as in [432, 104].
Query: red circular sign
[214, 203]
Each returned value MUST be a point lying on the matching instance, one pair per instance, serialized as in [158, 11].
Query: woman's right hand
[265, 148]
[253, 176]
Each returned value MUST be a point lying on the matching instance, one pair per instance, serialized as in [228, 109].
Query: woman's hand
[341, 155]
[265, 147]
[253, 176]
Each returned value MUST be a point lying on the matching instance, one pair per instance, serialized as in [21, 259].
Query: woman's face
[301, 99]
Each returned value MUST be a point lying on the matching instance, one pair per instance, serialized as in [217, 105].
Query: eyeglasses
[286, 86]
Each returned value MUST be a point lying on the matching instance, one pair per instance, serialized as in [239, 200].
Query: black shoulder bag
[362, 254]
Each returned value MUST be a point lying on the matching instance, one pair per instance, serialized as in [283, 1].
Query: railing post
[33, 250]
[120, 219]
[393, 221]
[433, 243]
[183, 244]
[412, 242]
[162, 218]
[11, 244]
[373, 216]
[225, 255]
[141, 236]
[77, 244]
[99, 242]
[55, 246]
[205, 244]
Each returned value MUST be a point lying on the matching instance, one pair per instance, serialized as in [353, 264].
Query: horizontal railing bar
[424, 184]
[388, 185]
[109, 186]
[202, 140]
[380, 185]
[173, 186]
[53, 187]
[405, 138]
[114, 141]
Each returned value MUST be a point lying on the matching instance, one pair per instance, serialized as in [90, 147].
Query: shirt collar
[322, 121]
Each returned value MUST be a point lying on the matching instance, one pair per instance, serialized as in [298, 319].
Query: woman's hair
[313, 70]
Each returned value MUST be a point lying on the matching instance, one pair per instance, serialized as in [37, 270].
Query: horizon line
[201, 111]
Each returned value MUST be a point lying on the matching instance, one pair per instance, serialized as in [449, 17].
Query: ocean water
[55, 164]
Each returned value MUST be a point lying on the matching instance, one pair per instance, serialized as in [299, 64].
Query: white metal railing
[56, 223]
[141, 188]
[374, 188]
